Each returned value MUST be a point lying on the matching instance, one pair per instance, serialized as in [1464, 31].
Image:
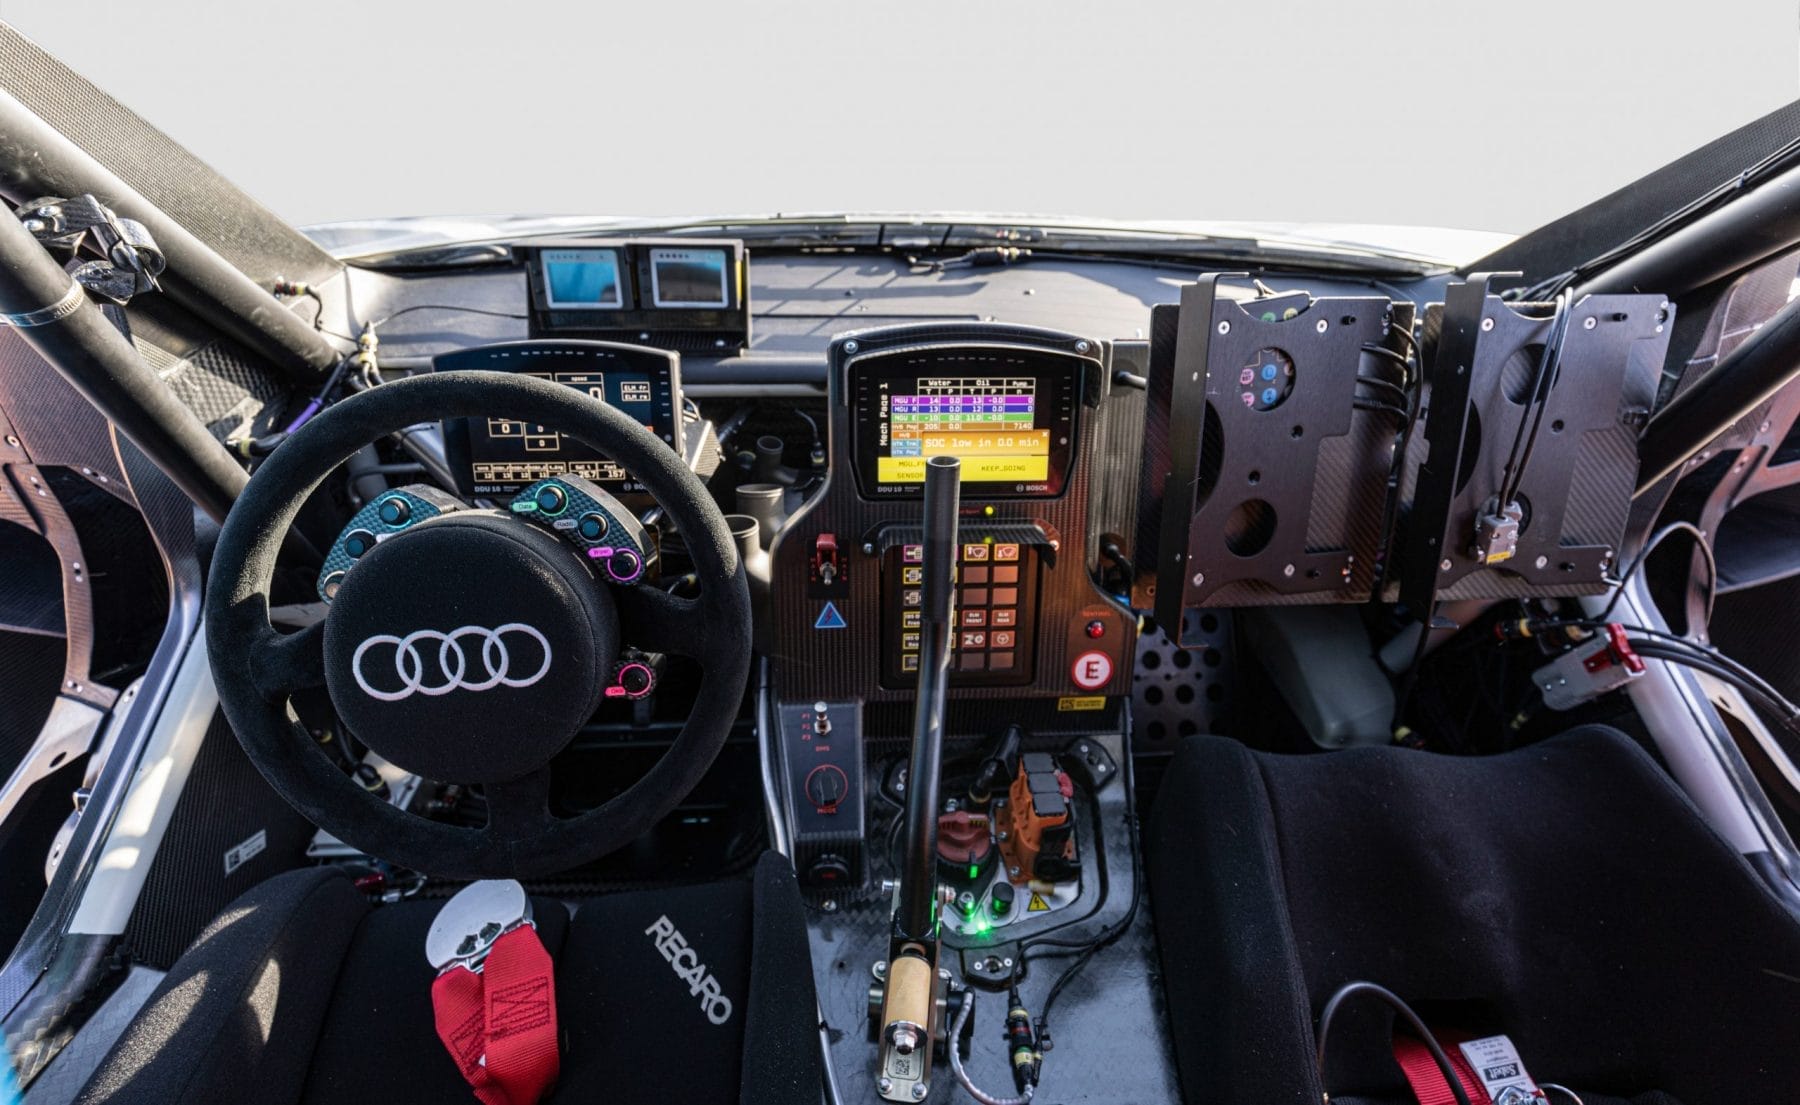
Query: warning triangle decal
[829, 618]
[1038, 904]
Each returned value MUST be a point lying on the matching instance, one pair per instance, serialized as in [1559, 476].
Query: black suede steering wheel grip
[256, 668]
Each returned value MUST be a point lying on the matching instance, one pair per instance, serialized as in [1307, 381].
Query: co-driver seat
[301, 992]
[1567, 895]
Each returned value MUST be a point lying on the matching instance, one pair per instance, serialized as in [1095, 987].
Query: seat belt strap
[494, 999]
[500, 1024]
[1490, 1069]
[1427, 1080]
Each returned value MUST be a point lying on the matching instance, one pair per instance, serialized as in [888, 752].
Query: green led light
[974, 871]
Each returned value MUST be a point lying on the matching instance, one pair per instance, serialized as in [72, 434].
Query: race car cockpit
[868, 658]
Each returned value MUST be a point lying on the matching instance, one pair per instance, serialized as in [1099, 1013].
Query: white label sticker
[242, 853]
[1496, 1062]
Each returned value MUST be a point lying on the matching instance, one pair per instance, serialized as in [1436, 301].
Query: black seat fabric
[1566, 894]
[301, 993]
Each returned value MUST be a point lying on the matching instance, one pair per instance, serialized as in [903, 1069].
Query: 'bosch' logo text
[459, 665]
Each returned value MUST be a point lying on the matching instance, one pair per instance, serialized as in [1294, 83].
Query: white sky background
[1462, 113]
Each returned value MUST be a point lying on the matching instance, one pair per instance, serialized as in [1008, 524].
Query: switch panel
[995, 614]
[820, 745]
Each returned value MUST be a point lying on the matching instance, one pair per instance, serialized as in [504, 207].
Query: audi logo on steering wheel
[453, 660]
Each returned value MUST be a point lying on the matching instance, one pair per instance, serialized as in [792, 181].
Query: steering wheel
[525, 638]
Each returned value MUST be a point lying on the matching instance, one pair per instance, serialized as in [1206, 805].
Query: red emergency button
[1096, 629]
[1091, 670]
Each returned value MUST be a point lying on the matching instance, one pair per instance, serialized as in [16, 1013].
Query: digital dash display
[1008, 416]
[498, 455]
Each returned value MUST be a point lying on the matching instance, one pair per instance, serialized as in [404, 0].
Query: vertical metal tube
[916, 918]
[55, 318]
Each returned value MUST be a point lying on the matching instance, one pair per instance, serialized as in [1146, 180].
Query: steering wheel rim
[256, 668]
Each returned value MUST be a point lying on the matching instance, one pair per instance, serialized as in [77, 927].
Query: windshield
[1353, 122]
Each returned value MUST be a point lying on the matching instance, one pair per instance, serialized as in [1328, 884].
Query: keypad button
[1006, 596]
[1006, 552]
[909, 662]
[974, 596]
[978, 574]
[912, 575]
[911, 598]
[974, 639]
[909, 641]
[974, 617]
[913, 554]
[1002, 638]
[1000, 661]
[1006, 617]
[972, 661]
[974, 553]
[1006, 573]
[910, 619]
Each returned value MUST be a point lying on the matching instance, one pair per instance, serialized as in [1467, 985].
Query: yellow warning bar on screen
[979, 469]
[945, 443]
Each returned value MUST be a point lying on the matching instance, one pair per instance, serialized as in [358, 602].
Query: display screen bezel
[620, 276]
[1060, 381]
[660, 255]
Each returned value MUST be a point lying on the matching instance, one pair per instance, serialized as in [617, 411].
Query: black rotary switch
[826, 786]
[633, 678]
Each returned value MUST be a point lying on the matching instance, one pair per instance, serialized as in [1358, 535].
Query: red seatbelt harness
[1489, 1069]
[494, 999]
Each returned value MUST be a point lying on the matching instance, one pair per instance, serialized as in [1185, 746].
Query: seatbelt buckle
[465, 930]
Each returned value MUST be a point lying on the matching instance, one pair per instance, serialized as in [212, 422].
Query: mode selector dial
[826, 786]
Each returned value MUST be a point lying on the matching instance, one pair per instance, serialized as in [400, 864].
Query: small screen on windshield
[584, 279]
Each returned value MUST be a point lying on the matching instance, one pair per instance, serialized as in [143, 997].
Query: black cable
[1756, 689]
[383, 321]
[1643, 556]
[1387, 354]
[1378, 407]
[1708, 201]
[1549, 365]
[1087, 949]
[1388, 386]
[1390, 507]
[1350, 990]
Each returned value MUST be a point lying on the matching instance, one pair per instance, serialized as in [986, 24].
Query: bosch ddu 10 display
[496, 455]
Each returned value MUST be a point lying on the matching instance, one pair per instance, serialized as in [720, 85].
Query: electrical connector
[1604, 662]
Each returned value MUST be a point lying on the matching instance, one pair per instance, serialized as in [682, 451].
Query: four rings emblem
[457, 660]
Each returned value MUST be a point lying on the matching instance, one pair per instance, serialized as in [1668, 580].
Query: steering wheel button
[358, 544]
[592, 526]
[624, 566]
[395, 511]
[551, 499]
